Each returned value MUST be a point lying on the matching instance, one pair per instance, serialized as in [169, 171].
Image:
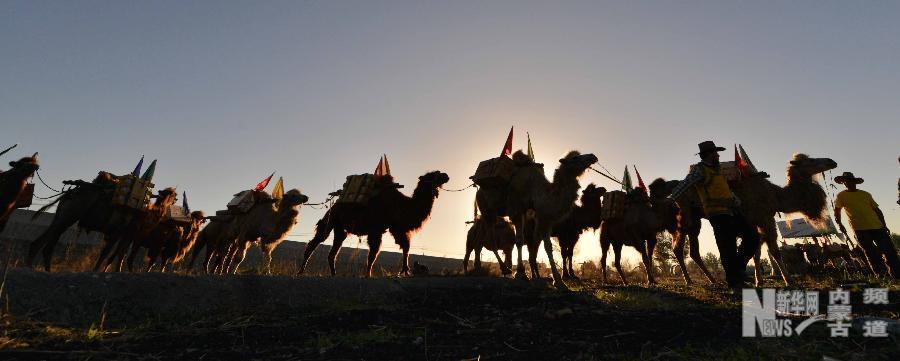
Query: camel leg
[239, 254]
[543, 233]
[678, 250]
[267, 257]
[402, 239]
[121, 251]
[520, 241]
[152, 255]
[323, 227]
[503, 268]
[211, 259]
[532, 259]
[339, 236]
[617, 251]
[604, 249]
[647, 253]
[46, 242]
[757, 272]
[508, 261]
[769, 235]
[108, 245]
[374, 240]
[227, 258]
[466, 259]
[698, 259]
[135, 248]
[477, 264]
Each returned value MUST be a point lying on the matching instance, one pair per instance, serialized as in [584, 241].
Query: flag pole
[8, 149]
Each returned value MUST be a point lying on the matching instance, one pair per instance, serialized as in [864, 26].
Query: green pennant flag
[530, 151]
[148, 174]
[626, 181]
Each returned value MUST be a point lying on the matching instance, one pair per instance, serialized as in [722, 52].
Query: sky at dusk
[223, 93]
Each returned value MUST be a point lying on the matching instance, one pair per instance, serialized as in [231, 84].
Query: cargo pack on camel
[494, 172]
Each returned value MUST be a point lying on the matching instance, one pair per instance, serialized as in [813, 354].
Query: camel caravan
[515, 206]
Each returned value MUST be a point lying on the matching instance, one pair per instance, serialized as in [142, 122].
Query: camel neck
[801, 194]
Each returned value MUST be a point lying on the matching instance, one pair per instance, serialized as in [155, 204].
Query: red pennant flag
[262, 185]
[507, 148]
[387, 166]
[742, 166]
[379, 170]
[641, 184]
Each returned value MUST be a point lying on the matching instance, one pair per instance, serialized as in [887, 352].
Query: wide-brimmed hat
[709, 146]
[847, 177]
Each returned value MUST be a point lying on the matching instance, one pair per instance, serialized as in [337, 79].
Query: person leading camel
[720, 206]
[868, 224]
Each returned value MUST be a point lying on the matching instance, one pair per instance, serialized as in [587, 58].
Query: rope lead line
[458, 190]
[605, 175]
[45, 183]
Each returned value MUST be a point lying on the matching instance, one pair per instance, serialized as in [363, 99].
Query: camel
[215, 238]
[681, 224]
[637, 227]
[266, 224]
[139, 226]
[88, 204]
[13, 183]
[389, 210]
[219, 237]
[583, 217]
[495, 236]
[531, 198]
[169, 241]
[760, 200]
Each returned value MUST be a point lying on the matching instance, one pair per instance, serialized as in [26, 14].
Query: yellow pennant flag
[530, 151]
[278, 191]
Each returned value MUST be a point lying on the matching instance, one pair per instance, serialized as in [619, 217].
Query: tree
[663, 255]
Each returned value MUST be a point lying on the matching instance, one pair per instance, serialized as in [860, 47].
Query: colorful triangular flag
[184, 204]
[507, 147]
[278, 191]
[641, 184]
[530, 150]
[137, 169]
[379, 169]
[265, 182]
[747, 160]
[626, 181]
[148, 175]
[742, 167]
[387, 166]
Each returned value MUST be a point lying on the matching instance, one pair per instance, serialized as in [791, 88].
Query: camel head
[591, 195]
[165, 197]
[659, 188]
[26, 165]
[803, 166]
[576, 163]
[292, 198]
[197, 219]
[435, 179]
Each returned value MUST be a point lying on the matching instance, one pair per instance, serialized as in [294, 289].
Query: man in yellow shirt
[868, 223]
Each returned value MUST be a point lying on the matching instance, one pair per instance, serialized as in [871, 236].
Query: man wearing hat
[868, 223]
[720, 207]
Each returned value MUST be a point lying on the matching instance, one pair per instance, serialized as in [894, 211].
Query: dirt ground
[165, 316]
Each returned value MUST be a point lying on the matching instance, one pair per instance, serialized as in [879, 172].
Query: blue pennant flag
[137, 169]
